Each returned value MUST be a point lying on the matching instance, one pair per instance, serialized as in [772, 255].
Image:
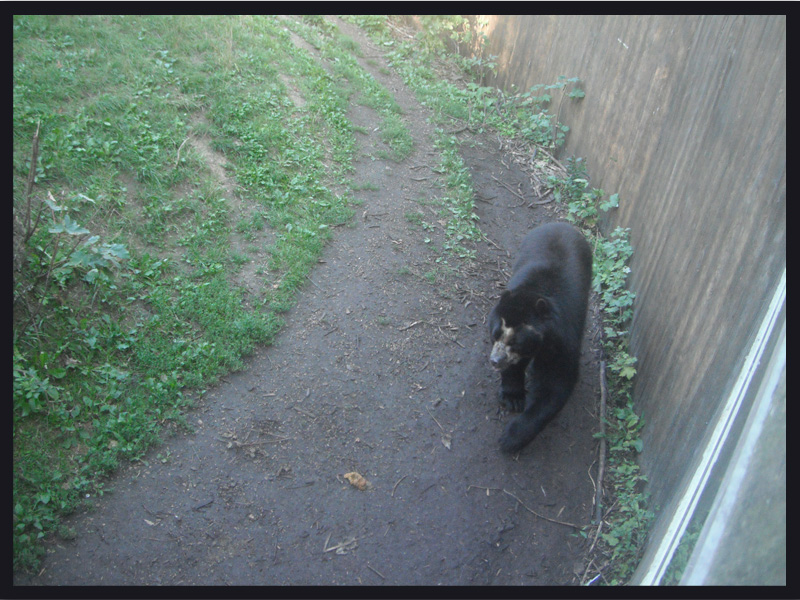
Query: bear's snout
[499, 358]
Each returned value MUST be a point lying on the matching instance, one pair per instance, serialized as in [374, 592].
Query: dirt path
[378, 371]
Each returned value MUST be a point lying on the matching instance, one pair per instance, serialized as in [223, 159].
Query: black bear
[538, 323]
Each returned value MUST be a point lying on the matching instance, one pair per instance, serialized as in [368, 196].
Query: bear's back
[551, 256]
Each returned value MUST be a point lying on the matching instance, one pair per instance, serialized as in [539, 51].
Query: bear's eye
[505, 334]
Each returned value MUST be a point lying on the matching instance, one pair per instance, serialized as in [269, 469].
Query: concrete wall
[684, 117]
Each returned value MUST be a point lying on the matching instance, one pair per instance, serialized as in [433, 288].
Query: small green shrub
[625, 528]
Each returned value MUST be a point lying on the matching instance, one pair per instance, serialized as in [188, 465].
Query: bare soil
[382, 370]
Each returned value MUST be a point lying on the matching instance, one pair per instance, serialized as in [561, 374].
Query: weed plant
[677, 566]
[627, 524]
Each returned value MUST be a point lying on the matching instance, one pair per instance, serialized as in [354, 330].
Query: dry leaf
[356, 480]
[446, 439]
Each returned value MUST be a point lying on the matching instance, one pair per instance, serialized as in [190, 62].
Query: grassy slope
[126, 291]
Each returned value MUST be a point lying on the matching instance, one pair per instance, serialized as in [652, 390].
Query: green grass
[341, 55]
[126, 301]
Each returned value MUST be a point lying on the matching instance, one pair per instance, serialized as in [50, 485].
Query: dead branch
[491, 242]
[349, 544]
[517, 194]
[203, 505]
[399, 31]
[596, 535]
[246, 445]
[480, 487]
[398, 483]
[598, 507]
[456, 131]
[178, 160]
[434, 418]
[378, 573]
[314, 283]
[586, 574]
[29, 186]
[530, 510]
[302, 412]
[553, 158]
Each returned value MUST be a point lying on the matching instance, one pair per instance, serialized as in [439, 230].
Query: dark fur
[545, 305]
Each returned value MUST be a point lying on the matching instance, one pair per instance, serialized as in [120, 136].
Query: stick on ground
[598, 494]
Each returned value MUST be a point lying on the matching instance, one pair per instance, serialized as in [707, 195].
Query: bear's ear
[541, 307]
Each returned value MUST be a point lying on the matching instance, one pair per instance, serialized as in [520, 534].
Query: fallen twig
[398, 30]
[378, 573]
[530, 510]
[491, 242]
[454, 340]
[277, 439]
[459, 130]
[178, 160]
[29, 186]
[434, 418]
[203, 505]
[314, 283]
[297, 487]
[589, 473]
[480, 487]
[425, 490]
[586, 573]
[348, 544]
[517, 194]
[598, 507]
[553, 158]
[302, 412]
[596, 535]
[398, 483]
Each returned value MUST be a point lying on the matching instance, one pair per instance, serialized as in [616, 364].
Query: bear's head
[515, 326]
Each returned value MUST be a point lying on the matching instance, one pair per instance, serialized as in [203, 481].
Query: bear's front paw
[513, 401]
[513, 439]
